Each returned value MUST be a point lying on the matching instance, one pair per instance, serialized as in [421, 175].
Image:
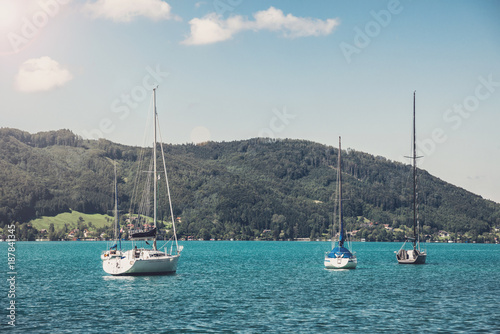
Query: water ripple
[257, 287]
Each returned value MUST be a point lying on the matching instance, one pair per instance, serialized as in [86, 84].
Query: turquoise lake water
[256, 287]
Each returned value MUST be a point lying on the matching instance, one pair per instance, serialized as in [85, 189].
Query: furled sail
[144, 235]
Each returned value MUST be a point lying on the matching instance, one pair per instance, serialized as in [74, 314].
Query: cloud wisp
[128, 10]
[41, 74]
[212, 28]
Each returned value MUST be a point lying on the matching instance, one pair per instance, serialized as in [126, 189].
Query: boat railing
[171, 243]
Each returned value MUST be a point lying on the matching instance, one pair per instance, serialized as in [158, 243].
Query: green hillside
[235, 189]
[71, 219]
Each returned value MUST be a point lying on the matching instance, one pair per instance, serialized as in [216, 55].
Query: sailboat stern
[411, 256]
[340, 258]
[341, 263]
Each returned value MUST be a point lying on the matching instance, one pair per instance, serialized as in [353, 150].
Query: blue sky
[238, 69]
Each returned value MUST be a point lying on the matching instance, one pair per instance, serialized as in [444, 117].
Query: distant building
[443, 234]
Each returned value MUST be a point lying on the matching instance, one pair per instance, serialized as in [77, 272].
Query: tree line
[234, 189]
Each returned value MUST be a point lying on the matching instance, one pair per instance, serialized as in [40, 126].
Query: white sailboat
[413, 255]
[145, 260]
[340, 257]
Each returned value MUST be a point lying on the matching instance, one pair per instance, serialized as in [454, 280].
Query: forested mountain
[241, 189]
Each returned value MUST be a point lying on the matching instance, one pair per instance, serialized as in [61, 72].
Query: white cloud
[212, 28]
[199, 4]
[41, 74]
[127, 10]
[292, 26]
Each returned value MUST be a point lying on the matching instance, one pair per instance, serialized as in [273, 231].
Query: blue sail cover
[341, 237]
[340, 251]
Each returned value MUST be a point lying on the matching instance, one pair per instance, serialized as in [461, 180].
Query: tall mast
[154, 164]
[116, 207]
[414, 177]
[341, 238]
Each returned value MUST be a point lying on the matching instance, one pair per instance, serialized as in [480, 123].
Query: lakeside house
[443, 234]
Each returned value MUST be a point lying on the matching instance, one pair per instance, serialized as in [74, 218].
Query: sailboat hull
[340, 263]
[411, 257]
[141, 262]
